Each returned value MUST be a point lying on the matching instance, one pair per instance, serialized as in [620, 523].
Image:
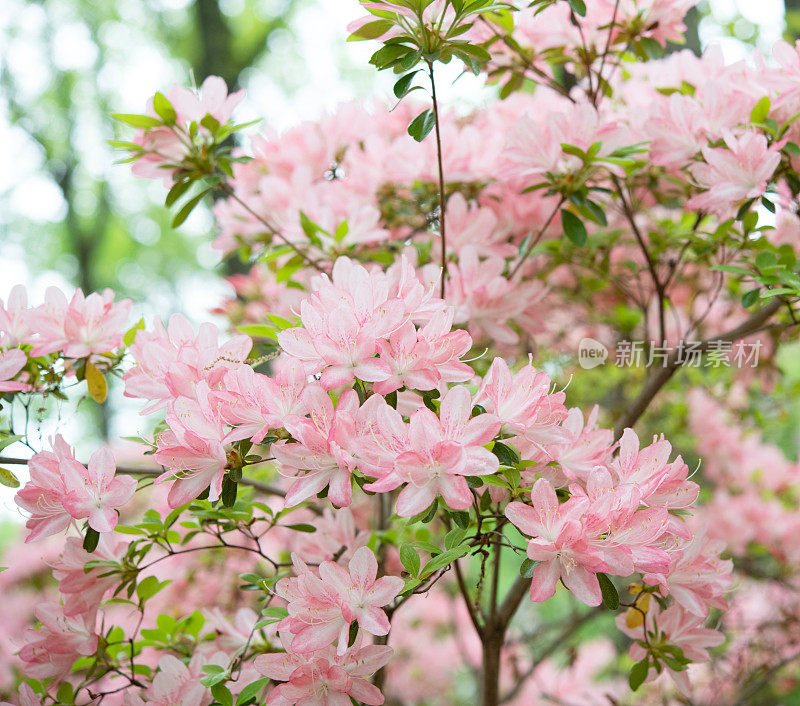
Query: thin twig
[224, 186]
[442, 207]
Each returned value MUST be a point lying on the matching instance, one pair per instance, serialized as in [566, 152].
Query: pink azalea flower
[14, 319]
[559, 544]
[81, 327]
[27, 697]
[170, 361]
[409, 358]
[177, 683]
[441, 451]
[322, 608]
[43, 495]
[324, 678]
[336, 344]
[51, 650]
[256, 403]
[83, 589]
[588, 446]
[336, 535]
[382, 437]
[523, 403]
[485, 298]
[95, 492]
[193, 448]
[740, 170]
[696, 578]
[212, 99]
[680, 628]
[644, 469]
[320, 457]
[11, 362]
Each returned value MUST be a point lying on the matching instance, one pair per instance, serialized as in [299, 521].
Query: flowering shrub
[379, 438]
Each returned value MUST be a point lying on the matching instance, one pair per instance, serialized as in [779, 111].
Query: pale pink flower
[95, 491]
[681, 629]
[80, 327]
[485, 299]
[324, 678]
[170, 361]
[11, 362]
[256, 403]
[27, 697]
[14, 321]
[193, 449]
[43, 495]
[322, 608]
[441, 451]
[559, 543]
[178, 683]
[211, 99]
[523, 403]
[336, 536]
[51, 650]
[740, 170]
[321, 455]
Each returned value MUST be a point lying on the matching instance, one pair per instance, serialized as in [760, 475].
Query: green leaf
[229, 488]
[179, 188]
[454, 537]
[164, 108]
[527, 567]
[403, 84]
[259, 331]
[65, 695]
[609, 591]
[145, 121]
[222, 694]
[8, 440]
[210, 123]
[251, 691]
[130, 334]
[573, 227]
[443, 559]
[215, 674]
[371, 30]
[187, 208]
[766, 260]
[409, 558]
[760, 110]
[90, 540]
[148, 587]
[422, 125]
[302, 527]
[505, 454]
[578, 6]
[750, 298]
[460, 517]
[639, 673]
[8, 479]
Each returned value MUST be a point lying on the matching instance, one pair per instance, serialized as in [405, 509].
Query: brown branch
[511, 602]
[462, 587]
[672, 363]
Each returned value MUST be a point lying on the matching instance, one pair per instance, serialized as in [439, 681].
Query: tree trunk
[490, 674]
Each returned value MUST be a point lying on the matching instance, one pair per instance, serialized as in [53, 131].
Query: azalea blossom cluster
[88, 328]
